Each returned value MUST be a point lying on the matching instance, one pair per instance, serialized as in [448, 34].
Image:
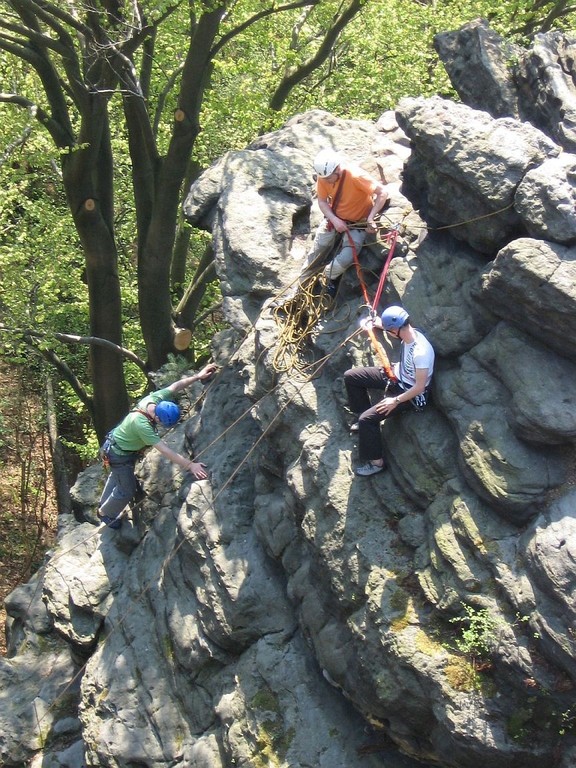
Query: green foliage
[385, 53]
[540, 713]
[478, 631]
[40, 262]
[567, 721]
[86, 447]
[519, 724]
[176, 367]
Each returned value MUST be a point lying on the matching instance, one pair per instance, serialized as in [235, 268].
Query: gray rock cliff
[286, 612]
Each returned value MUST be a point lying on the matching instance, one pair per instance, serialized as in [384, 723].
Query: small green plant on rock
[519, 724]
[478, 631]
[567, 721]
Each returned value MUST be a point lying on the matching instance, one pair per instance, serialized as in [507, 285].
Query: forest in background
[108, 110]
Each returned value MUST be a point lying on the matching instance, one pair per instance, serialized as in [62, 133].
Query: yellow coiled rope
[296, 319]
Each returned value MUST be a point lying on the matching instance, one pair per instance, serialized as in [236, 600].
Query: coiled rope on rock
[300, 314]
[297, 318]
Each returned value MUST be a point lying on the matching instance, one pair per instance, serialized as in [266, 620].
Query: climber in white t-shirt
[413, 373]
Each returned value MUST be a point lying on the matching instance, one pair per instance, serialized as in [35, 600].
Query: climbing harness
[109, 439]
[150, 418]
[104, 450]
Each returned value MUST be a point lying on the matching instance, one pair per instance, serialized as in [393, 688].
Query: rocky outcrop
[467, 175]
[534, 85]
[286, 612]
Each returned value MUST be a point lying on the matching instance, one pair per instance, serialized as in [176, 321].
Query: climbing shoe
[110, 522]
[365, 470]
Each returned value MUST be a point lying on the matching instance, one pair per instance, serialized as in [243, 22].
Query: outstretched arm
[195, 467]
[205, 373]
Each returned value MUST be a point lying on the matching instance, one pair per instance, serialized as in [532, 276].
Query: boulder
[535, 85]
[466, 166]
[477, 48]
[530, 284]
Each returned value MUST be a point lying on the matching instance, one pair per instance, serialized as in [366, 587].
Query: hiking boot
[365, 470]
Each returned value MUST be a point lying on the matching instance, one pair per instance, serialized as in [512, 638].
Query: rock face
[285, 612]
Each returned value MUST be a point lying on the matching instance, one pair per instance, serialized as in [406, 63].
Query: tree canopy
[108, 111]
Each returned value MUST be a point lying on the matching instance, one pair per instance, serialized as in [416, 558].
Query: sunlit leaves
[385, 53]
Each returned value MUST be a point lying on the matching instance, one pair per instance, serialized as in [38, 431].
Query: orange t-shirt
[356, 198]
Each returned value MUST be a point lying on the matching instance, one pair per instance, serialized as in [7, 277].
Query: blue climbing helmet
[394, 318]
[167, 413]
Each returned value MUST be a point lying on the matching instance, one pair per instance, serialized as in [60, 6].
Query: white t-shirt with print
[416, 354]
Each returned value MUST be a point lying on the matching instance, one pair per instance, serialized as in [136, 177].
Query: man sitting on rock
[347, 196]
[410, 390]
[138, 430]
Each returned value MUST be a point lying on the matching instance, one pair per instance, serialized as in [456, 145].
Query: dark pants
[120, 486]
[358, 382]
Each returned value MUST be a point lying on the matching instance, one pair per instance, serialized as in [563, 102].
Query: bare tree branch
[69, 338]
[48, 13]
[257, 17]
[559, 11]
[163, 96]
[207, 313]
[53, 127]
[19, 142]
[300, 73]
[63, 368]
[126, 353]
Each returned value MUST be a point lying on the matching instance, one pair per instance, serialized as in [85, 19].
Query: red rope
[391, 237]
[358, 269]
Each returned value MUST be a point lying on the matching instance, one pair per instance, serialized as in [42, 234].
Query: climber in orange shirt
[347, 195]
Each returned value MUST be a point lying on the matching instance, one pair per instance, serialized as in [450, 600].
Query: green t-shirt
[136, 431]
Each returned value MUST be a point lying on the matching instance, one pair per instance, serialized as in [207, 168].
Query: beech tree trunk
[159, 230]
[87, 175]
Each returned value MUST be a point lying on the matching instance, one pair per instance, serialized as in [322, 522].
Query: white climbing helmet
[326, 162]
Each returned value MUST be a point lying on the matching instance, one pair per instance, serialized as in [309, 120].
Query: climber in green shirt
[138, 430]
